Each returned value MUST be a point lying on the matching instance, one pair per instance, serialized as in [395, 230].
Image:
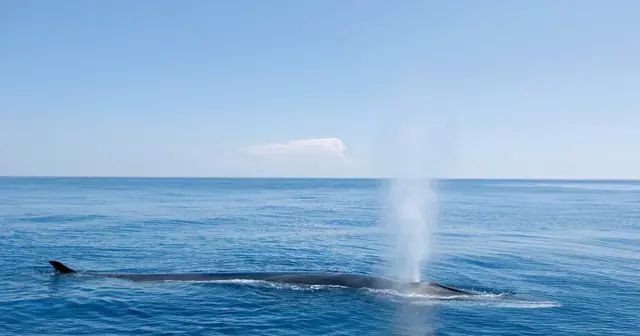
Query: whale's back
[301, 278]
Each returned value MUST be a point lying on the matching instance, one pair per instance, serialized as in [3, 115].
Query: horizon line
[321, 177]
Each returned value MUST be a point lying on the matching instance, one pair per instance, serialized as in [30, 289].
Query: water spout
[410, 221]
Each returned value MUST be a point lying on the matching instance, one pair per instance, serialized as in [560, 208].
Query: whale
[358, 281]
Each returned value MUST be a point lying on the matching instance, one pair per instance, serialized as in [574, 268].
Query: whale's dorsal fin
[60, 267]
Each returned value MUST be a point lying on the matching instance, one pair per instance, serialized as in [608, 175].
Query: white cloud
[323, 147]
[303, 157]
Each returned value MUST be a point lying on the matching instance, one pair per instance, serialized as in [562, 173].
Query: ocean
[551, 257]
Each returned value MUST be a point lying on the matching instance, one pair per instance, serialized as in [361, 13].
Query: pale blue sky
[547, 89]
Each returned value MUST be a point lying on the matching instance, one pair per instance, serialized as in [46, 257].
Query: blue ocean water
[554, 257]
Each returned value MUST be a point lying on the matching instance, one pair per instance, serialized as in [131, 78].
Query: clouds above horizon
[329, 147]
[301, 157]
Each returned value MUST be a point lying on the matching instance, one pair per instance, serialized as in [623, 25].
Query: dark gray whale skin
[302, 278]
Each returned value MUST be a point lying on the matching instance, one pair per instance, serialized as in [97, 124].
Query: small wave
[60, 218]
[410, 295]
[528, 304]
[501, 300]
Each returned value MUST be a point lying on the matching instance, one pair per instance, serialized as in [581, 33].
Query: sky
[451, 89]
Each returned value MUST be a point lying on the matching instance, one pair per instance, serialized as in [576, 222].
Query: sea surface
[550, 257]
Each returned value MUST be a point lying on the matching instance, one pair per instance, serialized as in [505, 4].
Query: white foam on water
[499, 300]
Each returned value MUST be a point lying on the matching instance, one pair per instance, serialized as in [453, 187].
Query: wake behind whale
[297, 278]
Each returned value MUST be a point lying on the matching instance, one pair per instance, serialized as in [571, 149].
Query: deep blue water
[555, 257]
